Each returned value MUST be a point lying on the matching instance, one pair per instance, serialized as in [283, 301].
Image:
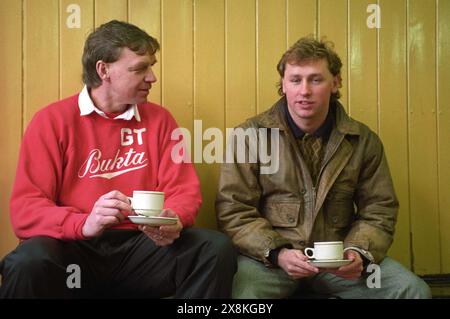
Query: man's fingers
[354, 267]
[169, 228]
[114, 203]
[158, 237]
[109, 220]
[115, 194]
[167, 212]
[104, 211]
[171, 231]
[343, 274]
[309, 267]
[150, 230]
[118, 204]
[302, 270]
[157, 232]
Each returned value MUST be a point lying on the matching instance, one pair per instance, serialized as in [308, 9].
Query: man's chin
[141, 100]
[305, 115]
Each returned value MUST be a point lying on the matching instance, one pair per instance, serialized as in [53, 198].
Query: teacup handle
[309, 250]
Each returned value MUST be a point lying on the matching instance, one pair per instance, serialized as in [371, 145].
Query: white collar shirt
[87, 106]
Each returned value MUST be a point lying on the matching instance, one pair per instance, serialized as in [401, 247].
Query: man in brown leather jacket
[331, 183]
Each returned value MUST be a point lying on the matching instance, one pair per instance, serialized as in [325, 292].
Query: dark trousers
[121, 264]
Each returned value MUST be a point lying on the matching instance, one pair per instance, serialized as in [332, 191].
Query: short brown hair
[106, 44]
[310, 49]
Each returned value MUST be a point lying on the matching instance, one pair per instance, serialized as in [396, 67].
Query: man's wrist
[274, 253]
[366, 255]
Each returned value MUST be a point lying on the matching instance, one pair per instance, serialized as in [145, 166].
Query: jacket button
[335, 219]
[302, 243]
[303, 191]
[291, 219]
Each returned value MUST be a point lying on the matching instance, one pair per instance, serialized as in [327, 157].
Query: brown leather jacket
[353, 201]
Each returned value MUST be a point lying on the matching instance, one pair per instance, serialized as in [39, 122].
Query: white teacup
[147, 203]
[326, 250]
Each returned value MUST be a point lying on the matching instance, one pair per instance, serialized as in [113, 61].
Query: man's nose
[305, 88]
[150, 76]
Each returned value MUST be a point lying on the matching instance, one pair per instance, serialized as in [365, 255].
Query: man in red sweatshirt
[80, 158]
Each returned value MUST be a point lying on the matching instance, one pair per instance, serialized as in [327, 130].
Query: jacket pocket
[339, 209]
[283, 214]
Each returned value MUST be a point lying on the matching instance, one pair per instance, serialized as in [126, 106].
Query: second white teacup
[326, 250]
[147, 203]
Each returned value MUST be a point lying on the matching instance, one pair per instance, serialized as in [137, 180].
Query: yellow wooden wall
[217, 64]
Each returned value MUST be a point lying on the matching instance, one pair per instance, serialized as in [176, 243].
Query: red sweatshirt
[67, 161]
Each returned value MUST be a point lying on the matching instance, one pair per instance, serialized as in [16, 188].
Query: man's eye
[317, 80]
[140, 70]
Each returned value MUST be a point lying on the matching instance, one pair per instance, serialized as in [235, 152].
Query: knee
[213, 245]
[248, 279]
[30, 258]
[414, 287]
[221, 245]
[420, 290]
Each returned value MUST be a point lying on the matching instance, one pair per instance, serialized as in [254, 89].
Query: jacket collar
[275, 118]
[323, 131]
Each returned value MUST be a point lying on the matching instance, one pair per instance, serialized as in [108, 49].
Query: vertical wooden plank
[177, 63]
[332, 26]
[443, 47]
[72, 37]
[271, 44]
[240, 61]
[11, 93]
[423, 136]
[209, 68]
[177, 60]
[393, 116]
[41, 62]
[146, 14]
[107, 10]
[301, 19]
[363, 66]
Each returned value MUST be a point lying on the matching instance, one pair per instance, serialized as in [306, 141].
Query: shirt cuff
[365, 254]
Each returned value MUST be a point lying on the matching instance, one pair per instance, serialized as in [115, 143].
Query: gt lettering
[126, 136]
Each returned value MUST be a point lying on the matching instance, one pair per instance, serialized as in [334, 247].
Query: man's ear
[102, 70]
[337, 83]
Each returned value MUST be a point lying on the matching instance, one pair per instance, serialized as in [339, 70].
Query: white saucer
[153, 221]
[333, 263]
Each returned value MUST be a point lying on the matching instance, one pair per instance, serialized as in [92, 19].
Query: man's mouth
[306, 103]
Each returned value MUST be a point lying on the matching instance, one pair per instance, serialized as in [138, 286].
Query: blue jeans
[254, 280]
